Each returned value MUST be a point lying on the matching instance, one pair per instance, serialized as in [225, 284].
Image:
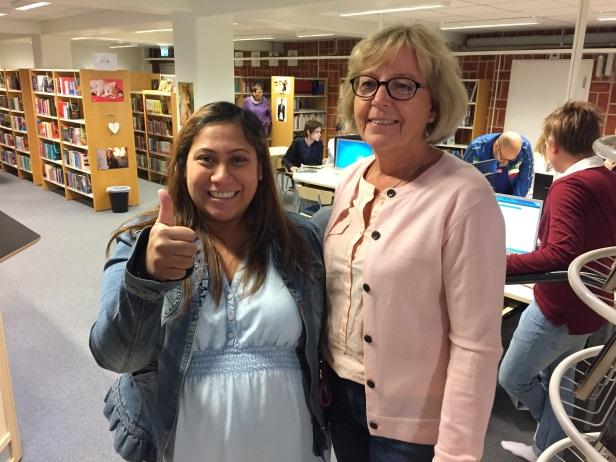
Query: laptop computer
[487, 167]
[541, 185]
[522, 217]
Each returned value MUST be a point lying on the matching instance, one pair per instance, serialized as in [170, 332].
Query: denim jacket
[138, 334]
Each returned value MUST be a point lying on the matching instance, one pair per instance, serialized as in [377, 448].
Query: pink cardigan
[432, 311]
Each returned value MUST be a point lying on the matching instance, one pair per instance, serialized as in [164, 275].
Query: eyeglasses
[399, 88]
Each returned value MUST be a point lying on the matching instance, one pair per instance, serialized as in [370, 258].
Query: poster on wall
[186, 100]
[281, 110]
[281, 85]
[107, 90]
[112, 157]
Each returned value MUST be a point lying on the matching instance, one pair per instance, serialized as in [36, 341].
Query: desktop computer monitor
[349, 151]
[522, 218]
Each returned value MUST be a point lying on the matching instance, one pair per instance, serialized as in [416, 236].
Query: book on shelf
[600, 366]
[606, 443]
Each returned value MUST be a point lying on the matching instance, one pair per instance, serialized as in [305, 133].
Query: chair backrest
[322, 196]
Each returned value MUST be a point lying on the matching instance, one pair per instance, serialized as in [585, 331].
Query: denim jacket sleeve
[126, 333]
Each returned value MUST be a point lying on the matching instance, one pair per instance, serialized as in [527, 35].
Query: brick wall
[496, 68]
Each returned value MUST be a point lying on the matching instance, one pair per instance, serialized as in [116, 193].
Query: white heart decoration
[114, 127]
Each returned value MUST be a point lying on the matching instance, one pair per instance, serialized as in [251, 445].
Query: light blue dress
[242, 398]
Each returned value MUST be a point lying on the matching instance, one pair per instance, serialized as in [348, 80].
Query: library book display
[69, 131]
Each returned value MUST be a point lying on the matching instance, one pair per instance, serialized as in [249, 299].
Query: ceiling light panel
[23, 5]
[424, 6]
[489, 23]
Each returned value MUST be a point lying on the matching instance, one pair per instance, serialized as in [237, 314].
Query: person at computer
[306, 149]
[413, 330]
[514, 154]
[579, 215]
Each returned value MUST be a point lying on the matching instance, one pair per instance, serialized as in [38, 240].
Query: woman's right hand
[171, 249]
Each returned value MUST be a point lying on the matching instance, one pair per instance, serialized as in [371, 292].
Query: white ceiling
[281, 19]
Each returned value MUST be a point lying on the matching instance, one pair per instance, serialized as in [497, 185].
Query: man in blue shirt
[514, 154]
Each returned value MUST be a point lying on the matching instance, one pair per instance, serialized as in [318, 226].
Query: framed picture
[112, 157]
[107, 90]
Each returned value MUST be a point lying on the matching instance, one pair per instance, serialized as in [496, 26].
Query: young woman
[307, 149]
[211, 310]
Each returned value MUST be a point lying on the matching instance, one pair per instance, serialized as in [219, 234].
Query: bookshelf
[475, 121]
[75, 132]
[155, 125]
[303, 99]
[17, 125]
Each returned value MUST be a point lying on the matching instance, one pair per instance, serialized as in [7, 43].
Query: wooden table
[14, 237]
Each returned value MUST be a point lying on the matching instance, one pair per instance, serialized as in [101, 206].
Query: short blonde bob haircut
[436, 62]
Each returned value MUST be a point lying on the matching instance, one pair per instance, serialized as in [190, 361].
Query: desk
[325, 178]
[14, 237]
[519, 292]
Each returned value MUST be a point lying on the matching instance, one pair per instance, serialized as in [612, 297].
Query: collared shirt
[344, 261]
[585, 163]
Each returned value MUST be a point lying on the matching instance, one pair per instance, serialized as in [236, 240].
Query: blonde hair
[436, 63]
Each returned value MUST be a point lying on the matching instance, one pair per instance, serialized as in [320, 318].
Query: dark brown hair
[310, 126]
[574, 126]
[265, 214]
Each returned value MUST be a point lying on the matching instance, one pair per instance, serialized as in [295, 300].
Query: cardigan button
[366, 287]
[391, 193]
[373, 425]
[370, 384]
[376, 235]
[368, 338]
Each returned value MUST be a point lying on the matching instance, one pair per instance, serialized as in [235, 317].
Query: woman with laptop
[579, 215]
[415, 262]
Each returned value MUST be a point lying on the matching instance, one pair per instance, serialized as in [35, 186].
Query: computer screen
[522, 218]
[349, 151]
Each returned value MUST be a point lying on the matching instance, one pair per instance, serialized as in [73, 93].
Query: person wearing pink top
[415, 265]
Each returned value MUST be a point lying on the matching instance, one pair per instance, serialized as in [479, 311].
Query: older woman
[415, 262]
[260, 106]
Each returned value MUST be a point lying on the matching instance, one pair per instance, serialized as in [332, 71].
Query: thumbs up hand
[171, 248]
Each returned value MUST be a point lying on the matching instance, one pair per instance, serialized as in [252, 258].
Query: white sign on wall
[105, 61]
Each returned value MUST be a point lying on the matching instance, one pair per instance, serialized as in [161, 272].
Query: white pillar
[578, 46]
[203, 49]
[52, 52]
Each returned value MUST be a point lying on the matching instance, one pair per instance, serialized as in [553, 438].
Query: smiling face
[392, 125]
[222, 175]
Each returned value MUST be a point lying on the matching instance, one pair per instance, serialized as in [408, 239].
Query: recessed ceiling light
[607, 16]
[152, 30]
[132, 45]
[427, 6]
[24, 5]
[2, 14]
[246, 39]
[106, 39]
[313, 35]
[490, 23]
